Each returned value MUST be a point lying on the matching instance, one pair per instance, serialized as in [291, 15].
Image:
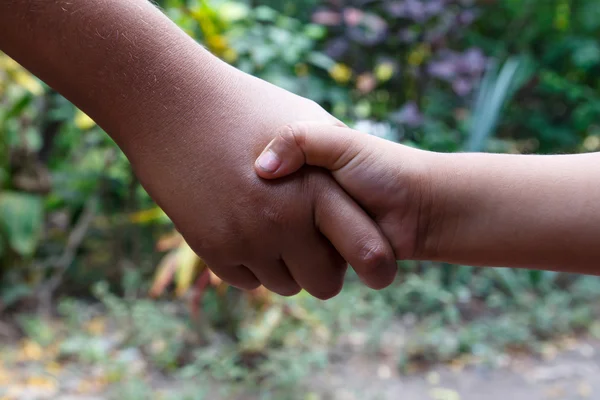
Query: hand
[385, 178]
[192, 126]
[251, 231]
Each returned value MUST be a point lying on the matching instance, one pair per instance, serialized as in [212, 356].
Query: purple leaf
[353, 16]
[397, 9]
[473, 61]
[415, 9]
[336, 48]
[409, 115]
[462, 87]
[466, 17]
[445, 69]
[371, 29]
[327, 18]
[434, 7]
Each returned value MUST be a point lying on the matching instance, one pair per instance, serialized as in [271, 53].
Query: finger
[356, 237]
[239, 276]
[275, 276]
[319, 144]
[317, 266]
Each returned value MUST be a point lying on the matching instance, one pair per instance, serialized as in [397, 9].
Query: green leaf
[315, 32]
[264, 13]
[13, 293]
[509, 280]
[587, 55]
[21, 217]
[3, 176]
[320, 60]
[262, 55]
[497, 87]
[588, 15]
[535, 277]
[19, 106]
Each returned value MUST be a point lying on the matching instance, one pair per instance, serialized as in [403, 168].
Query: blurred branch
[63, 262]
[60, 264]
[515, 29]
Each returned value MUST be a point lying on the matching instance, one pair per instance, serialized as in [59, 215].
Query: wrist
[440, 206]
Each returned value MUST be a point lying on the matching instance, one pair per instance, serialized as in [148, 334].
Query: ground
[570, 375]
[568, 370]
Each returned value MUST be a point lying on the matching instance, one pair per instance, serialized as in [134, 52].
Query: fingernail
[268, 161]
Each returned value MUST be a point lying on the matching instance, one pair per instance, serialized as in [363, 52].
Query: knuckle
[372, 257]
[273, 216]
[293, 134]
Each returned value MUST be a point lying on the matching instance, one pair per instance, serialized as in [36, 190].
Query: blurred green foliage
[72, 212]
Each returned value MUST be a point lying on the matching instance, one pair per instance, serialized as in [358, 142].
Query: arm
[475, 209]
[114, 59]
[191, 126]
[520, 211]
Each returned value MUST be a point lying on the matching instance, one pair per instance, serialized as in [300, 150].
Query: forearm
[121, 61]
[517, 211]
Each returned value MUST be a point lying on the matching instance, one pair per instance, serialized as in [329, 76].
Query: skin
[519, 211]
[191, 127]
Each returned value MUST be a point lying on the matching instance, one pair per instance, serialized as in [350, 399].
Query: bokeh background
[101, 299]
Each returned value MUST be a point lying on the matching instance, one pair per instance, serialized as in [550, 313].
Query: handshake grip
[349, 155]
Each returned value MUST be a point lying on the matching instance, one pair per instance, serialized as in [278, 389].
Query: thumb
[313, 143]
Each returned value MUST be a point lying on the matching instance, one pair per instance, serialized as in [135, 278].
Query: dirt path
[568, 376]
[353, 374]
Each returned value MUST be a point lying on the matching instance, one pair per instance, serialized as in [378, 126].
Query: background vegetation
[80, 239]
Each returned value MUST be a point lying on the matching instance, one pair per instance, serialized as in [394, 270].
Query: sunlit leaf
[146, 216]
[341, 73]
[188, 266]
[232, 11]
[164, 274]
[83, 121]
[169, 241]
[28, 81]
[384, 72]
[30, 351]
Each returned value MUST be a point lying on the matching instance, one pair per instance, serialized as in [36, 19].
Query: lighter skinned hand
[385, 178]
[521, 211]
